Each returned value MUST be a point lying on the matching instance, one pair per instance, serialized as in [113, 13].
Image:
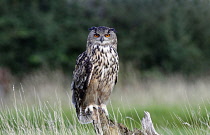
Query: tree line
[153, 35]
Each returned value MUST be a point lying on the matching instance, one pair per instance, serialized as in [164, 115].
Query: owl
[95, 73]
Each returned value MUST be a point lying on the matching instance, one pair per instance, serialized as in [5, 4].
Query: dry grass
[160, 89]
[131, 87]
[48, 95]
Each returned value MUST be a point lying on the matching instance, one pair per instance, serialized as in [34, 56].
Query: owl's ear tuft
[112, 29]
[92, 28]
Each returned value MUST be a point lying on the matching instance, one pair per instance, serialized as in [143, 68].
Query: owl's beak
[102, 39]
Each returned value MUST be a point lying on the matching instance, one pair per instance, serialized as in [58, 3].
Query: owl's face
[102, 36]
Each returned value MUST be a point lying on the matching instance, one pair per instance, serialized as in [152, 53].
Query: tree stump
[105, 126]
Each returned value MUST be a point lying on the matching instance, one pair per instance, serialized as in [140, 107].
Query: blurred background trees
[153, 35]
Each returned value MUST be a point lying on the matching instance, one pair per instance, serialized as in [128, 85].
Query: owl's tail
[83, 117]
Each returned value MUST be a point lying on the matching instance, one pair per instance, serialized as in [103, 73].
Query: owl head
[102, 36]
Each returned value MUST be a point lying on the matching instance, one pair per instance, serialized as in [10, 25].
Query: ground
[41, 104]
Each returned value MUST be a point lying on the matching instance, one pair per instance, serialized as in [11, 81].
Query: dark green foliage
[167, 36]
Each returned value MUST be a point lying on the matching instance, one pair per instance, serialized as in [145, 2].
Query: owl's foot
[89, 109]
[103, 107]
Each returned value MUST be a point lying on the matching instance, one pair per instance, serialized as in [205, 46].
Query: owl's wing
[117, 58]
[81, 78]
[116, 79]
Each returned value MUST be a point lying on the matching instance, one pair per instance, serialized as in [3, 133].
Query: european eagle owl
[95, 73]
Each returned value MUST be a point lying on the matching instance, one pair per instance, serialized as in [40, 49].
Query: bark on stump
[105, 126]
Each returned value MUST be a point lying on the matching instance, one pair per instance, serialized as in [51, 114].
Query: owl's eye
[96, 35]
[107, 35]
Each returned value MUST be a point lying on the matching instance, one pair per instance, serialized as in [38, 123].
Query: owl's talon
[90, 108]
[103, 107]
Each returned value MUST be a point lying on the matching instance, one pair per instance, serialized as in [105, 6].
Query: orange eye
[107, 35]
[96, 35]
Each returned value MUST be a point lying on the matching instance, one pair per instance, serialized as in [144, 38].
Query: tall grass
[41, 104]
[40, 117]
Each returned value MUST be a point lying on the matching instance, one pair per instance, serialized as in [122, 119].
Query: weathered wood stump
[105, 126]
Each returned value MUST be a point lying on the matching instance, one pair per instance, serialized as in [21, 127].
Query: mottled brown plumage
[95, 73]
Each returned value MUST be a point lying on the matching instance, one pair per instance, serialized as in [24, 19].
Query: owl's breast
[106, 65]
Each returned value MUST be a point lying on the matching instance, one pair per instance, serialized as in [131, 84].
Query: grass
[42, 117]
[41, 105]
